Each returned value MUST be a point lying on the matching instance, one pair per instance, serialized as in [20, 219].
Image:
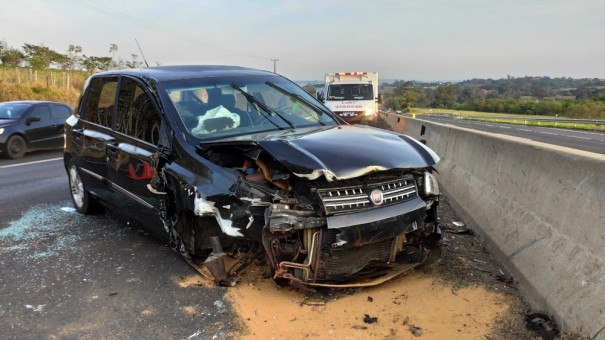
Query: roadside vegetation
[527, 96]
[37, 72]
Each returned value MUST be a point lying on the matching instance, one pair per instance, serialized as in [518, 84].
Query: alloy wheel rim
[77, 189]
[16, 147]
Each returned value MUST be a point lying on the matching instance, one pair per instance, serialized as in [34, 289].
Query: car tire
[15, 147]
[82, 200]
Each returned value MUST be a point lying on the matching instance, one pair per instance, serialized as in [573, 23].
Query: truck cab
[353, 96]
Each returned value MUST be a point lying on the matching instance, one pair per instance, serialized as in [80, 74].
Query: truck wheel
[16, 147]
[83, 201]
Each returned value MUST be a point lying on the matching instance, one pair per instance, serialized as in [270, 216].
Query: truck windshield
[350, 92]
[222, 107]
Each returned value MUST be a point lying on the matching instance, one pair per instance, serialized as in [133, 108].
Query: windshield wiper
[257, 103]
[299, 97]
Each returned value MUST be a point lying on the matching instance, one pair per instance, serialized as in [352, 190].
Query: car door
[38, 127]
[92, 133]
[58, 114]
[130, 163]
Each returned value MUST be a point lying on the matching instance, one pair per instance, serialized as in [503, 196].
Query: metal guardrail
[533, 119]
[552, 120]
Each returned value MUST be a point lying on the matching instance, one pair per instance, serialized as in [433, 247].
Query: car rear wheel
[83, 201]
[16, 147]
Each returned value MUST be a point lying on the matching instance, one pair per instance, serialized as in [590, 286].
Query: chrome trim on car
[119, 188]
[355, 198]
[374, 215]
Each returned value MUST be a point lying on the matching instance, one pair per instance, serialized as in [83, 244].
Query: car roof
[33, 102]
[167, 73]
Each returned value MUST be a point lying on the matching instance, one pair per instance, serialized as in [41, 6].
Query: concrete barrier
[540, 210]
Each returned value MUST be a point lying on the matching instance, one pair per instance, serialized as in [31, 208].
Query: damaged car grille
[340, 262]
[353, 198]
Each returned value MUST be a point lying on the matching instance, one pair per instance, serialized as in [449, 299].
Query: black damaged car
[233, 165]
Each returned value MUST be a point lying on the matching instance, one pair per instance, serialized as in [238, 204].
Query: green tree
[3, 47]
[446, 96]
[94, 64]
[11, 56]
[539, 91]
[39, 56]
[113, 48]
[134, 63]
[591, 109]
[73, 56]
[405, 95]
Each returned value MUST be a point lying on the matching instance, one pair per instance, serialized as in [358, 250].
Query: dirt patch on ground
[407, 307]
[464, 295]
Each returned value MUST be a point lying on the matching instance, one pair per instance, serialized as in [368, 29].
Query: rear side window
[137, 116]
[41, 111]
[60, 112]
[100, 102]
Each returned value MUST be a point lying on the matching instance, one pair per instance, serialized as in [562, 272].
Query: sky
[424, 40]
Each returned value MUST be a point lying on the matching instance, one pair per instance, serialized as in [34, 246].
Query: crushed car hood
[347, 151]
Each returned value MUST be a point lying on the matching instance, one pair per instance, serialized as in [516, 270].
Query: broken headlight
[431, 187]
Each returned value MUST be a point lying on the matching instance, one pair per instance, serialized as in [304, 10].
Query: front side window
[41, 111]
[100, 102]
[60, 112]
[350, 92]
[218, 107]
[137, 116]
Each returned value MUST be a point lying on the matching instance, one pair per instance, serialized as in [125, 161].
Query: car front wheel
[16, 147]
[83, 201]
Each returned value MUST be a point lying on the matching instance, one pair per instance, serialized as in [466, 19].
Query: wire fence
[45, 78]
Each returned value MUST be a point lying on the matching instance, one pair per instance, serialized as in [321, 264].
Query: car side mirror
[380, 99]
[32, 119]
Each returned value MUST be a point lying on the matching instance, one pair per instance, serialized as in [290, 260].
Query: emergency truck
[353, 95]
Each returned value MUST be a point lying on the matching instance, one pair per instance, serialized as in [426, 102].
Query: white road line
[527, 130]
[579, 137]
[28, 163]
[548, 133]
[584, 132]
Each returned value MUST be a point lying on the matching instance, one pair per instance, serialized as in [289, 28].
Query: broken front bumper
[361, 249]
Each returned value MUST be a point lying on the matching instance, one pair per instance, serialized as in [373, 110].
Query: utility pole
[274, 62]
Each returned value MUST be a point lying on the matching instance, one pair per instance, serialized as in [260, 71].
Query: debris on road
[369, 319]
[543, 325]
[416, 331]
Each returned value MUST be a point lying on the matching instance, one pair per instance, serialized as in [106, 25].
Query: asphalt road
[65, 275]
[575, 139]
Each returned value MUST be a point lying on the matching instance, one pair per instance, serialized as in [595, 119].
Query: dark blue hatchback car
[31, 125]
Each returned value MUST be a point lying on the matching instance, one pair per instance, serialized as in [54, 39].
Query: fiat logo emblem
[376, 197]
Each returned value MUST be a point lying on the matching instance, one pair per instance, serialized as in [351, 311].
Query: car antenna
[142, 55]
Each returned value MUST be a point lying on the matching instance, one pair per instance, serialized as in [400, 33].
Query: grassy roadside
[516, 119]
[27, 84]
